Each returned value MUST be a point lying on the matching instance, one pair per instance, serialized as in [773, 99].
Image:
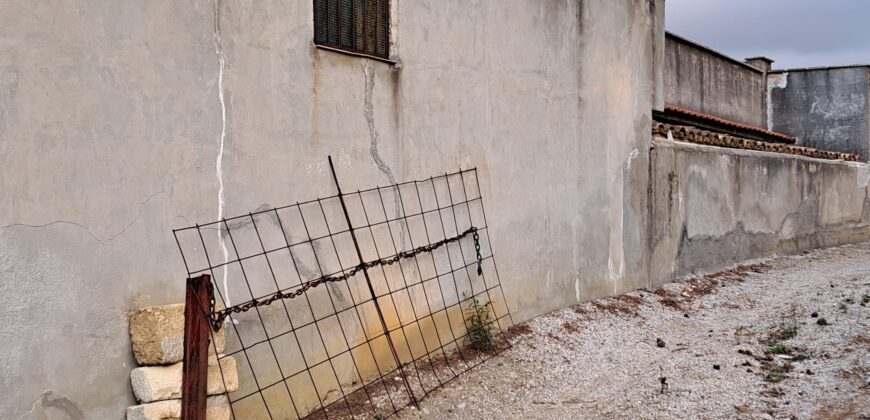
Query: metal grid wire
[369, 344]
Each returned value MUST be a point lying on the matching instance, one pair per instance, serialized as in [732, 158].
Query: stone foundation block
[217, 408]
[157, 333]
[158, 383]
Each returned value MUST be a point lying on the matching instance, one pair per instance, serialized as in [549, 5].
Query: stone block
[158, 383]
[217, 408]
[157, 334]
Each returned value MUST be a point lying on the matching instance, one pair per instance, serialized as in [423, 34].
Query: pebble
[617, 378]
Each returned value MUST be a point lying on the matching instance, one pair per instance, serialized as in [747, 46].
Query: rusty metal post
[196, 339]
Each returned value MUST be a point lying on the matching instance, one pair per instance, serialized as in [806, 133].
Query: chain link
[217, 317]
[477, 250]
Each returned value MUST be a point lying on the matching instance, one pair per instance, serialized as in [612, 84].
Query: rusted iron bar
[372, 289]
[196, 338]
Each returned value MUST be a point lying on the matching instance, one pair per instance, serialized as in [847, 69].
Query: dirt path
[745, 343]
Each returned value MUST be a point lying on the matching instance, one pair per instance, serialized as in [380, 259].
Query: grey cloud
[795, 33]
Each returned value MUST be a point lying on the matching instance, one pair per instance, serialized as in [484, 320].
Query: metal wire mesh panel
[354, 305]
[361, 26]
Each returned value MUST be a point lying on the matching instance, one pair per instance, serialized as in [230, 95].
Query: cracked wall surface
[713, 207]
[108, 115]
[825, 108]
[120, 122]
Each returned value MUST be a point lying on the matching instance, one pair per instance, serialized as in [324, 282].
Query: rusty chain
[217, 317]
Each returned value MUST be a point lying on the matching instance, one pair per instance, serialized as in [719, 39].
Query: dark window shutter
[361, 26]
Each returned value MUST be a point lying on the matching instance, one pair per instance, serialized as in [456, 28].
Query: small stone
[157, 383]
[809, 372]
[660, 343]
[217, 408]
[743, 408]
[685, 315]
[814, 315]
[822, 321]
[157, 334]
[716, 367]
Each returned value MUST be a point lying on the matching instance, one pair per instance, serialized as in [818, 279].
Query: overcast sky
[794, 33]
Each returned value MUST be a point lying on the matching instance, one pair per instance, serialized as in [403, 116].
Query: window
[359, 26]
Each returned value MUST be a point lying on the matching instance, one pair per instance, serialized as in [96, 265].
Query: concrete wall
[826, 108]
[703, 80]
[713, 207]
[119, 122]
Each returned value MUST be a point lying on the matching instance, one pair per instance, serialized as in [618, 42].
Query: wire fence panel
[354, 305]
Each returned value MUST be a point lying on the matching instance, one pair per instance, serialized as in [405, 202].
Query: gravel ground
[743, 343]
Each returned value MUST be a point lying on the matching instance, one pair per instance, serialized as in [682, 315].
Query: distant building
[825, 108]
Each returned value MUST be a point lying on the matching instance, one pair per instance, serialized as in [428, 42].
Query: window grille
[359, 26]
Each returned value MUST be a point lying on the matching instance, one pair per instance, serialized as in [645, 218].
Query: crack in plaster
[49, 399]
[222, 64]
[85, 228]
[369, 111]
[55, 222]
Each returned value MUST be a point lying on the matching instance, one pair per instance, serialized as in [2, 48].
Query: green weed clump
[778, 348]
[787, 332]
[479, 321]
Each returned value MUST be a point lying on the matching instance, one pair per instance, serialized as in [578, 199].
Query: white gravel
[601, 360]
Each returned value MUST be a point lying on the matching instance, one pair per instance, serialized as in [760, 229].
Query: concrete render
[119, 123]
[825, 108]
[704, 80]
[714, 207]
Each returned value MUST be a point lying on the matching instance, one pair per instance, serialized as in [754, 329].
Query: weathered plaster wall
[825, 108]
[703, 80]
[713, 207]
[119, 122]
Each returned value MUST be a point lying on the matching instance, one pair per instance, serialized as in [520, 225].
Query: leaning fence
[353, 305]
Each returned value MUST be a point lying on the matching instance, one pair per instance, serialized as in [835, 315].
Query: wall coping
[848, 66]
[662, 141]
[711, 51]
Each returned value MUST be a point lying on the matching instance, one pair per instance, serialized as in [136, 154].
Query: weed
[789, 327]
[778, 348]
[843, 307]
[775, 377]
[479, 326]
[789, 331]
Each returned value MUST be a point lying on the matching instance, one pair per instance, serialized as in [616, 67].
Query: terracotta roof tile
[695, 135]
[730, 123]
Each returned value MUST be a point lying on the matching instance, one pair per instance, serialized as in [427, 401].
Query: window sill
[395, 63]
